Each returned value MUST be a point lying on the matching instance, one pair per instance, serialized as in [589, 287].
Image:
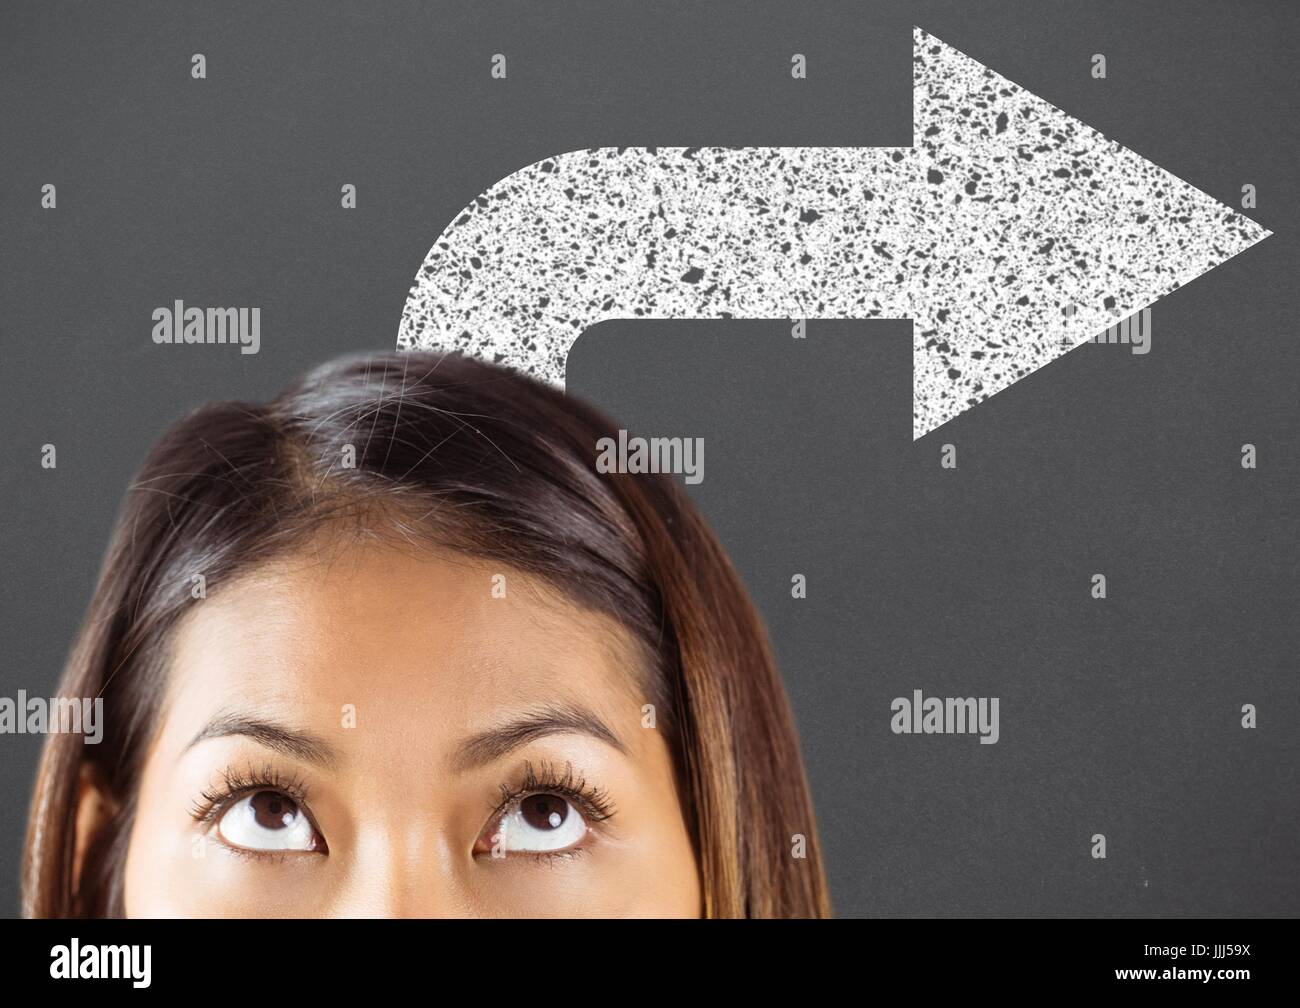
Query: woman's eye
[537, 823]
[268, 821]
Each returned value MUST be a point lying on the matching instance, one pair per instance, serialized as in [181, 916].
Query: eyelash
[593, 802]
[236, 784]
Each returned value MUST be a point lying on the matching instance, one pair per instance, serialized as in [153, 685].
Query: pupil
[544, 812]
[273, 810]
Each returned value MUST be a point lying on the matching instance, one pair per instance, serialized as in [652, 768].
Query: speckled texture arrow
[1009, 232]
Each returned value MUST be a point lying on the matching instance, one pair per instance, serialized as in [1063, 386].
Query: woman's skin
[455, 694]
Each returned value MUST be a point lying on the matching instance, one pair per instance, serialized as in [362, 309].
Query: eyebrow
[485, 747]
[288, 741]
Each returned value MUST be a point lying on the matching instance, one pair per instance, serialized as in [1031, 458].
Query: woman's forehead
[401, 635]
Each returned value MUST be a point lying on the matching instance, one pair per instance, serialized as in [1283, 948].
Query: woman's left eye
[535, 823]
[268, 821]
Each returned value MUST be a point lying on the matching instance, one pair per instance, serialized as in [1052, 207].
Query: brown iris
[273, 810]
[544, 811]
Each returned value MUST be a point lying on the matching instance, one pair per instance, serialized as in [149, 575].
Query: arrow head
[1034, 233]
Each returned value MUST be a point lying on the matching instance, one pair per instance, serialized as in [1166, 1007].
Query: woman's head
[390, 645]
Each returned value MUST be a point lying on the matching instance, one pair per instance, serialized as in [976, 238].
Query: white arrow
[1009, 232]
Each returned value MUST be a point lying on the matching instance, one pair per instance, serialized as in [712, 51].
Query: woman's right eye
[268, 821]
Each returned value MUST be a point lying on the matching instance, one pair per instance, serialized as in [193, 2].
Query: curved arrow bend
[1009, 232]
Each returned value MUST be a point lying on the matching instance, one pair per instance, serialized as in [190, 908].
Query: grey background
[1119, 717]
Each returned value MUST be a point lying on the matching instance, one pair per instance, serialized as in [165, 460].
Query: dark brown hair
[453, 450]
